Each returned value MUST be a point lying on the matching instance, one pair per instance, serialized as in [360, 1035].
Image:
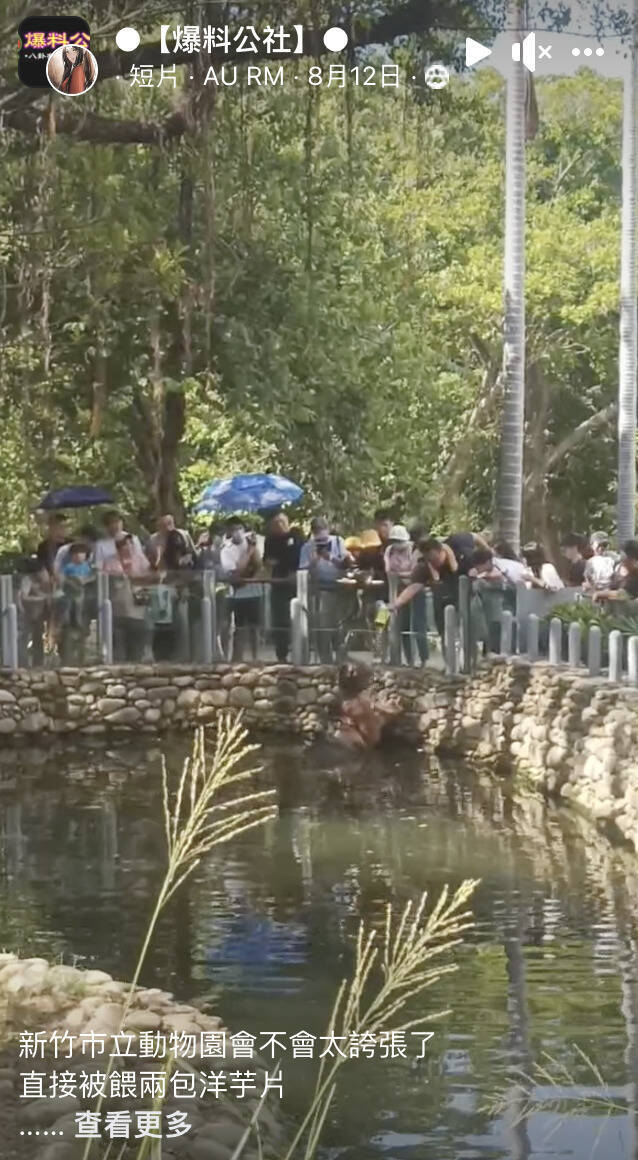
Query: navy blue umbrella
[75, 497]
[248, 493]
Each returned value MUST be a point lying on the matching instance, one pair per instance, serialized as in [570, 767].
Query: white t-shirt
[514, 571]
[550, 578]
[232, 558]
[599, 571]
[105, 549]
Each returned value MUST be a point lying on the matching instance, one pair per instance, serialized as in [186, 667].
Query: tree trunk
[510, 476]
[626, 516]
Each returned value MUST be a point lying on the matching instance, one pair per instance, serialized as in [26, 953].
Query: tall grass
[413, 953]
[386, 977]
[198, 816]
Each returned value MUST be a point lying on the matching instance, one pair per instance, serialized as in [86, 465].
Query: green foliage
[334, 311]
[608, 618]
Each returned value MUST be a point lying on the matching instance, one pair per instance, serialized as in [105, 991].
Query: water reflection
[264, 930]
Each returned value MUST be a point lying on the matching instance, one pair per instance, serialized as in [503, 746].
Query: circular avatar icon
[437, 76]
[71, 70]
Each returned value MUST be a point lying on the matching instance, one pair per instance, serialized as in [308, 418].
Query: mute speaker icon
[529, 52]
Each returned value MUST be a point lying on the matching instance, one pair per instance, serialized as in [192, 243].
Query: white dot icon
[600, 51]
[127, 39]
[588, 51]
[575, 52]
[335, 39]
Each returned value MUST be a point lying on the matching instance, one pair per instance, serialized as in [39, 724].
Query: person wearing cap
[319, 526]
[399, 555]
[601, 566]
[399, 560]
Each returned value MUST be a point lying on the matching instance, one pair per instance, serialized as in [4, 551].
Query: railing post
[465, 615]
[11, 657]
[632, 660]
[615, 656]
[430, 619]
[449, 637]
[207, 630]
[574, 645]
[105, 619]
[394, 632]
[101, 594]
[209, 585]
[9, 617]
[533, 626]
[594, 650]
[555, 641]
[299, 621]
[507, 625]
[183, 627]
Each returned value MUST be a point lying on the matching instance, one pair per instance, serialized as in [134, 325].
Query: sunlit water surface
[265, 929]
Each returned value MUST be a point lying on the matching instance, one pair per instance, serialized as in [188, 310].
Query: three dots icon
[588, 51]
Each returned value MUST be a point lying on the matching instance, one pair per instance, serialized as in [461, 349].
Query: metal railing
[198, 617]
[540, 637]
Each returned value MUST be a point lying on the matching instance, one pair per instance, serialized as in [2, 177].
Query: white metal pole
[510, 476]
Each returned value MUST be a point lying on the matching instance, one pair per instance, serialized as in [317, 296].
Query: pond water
[264, 931]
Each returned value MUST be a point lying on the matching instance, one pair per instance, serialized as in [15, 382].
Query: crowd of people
[386, 568]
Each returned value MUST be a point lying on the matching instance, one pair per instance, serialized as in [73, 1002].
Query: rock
[91, 978]
[152, 715]
[240, 697]
[6, 698]
[162, 693]
[188, 698]
[176, 1022]
[142, 1021]
[306, 696]
[105, 705]
[7, 724]
[129, 715]
[30, 976]
[216, 698]
[107, 1019]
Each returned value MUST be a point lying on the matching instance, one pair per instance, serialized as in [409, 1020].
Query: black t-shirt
[576, 573]
[630, 585]
[372, 560]
[462, 544]
[282, 551]
[46, 552]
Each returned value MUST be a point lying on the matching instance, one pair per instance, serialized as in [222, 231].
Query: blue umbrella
[248, 493]
[75, 497]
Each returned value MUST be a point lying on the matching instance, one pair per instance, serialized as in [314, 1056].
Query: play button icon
[474, 52]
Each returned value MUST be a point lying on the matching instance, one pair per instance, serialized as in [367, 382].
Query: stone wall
[571, 734]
